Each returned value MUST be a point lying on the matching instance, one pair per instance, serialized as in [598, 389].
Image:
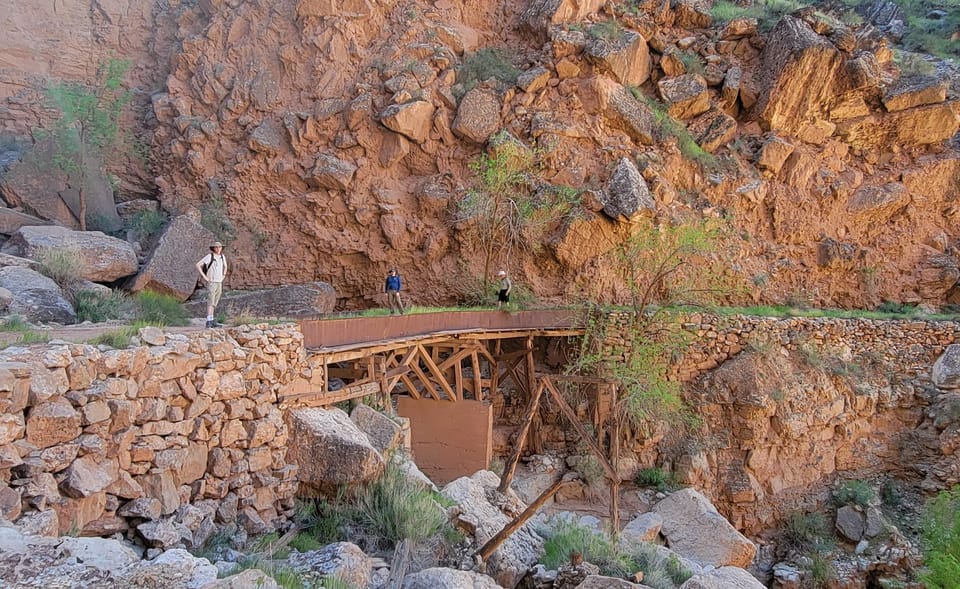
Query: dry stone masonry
[163, 440]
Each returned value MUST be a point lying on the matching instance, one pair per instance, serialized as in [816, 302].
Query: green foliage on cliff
[89, 124]
[941, 541]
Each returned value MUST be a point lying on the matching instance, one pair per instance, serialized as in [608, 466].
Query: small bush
[97, 307]
[890, 494]
[63, 266]
[855, 492]
[213, 216]
[119, 338]
[485, 64]
[663, 480]
[822, 570]
[147, 223]
[666, 127]
[390, 510]
[160, 309]
[692, 62]
[609, 30]
[15, 323]
[33, 337]
[590, 469]
[807, 531]
[565, 538]
[940, 526]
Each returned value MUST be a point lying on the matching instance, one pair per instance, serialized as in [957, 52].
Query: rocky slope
[337, 139]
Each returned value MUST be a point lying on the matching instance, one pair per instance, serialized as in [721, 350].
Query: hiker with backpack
[213, 269]
[392, 288]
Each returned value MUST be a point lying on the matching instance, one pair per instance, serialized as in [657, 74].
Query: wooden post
[536, 443]
[615, 460]
[495, 542]
[398, 566]
[584, 434]
[528, 415]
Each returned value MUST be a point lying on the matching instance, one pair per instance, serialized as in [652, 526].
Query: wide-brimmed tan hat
[216, 244]
[502, 273]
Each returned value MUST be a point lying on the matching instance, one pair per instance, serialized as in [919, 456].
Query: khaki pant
[214, 291]
[393, 299]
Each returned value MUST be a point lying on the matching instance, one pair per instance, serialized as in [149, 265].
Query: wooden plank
[428, 389]
[458, 380]
[398, 565]
[438, 376]
[511, 465]
[536, 443]
[498, 539]
[572, 418]
[325, 399]
[455, 359]
[411, 387]
[477, 386]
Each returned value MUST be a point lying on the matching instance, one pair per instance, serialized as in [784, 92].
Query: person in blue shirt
[392, 288]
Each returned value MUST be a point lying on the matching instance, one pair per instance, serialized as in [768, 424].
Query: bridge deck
[343, 338]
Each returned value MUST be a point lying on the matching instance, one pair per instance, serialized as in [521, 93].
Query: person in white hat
[505, 285]
[213, 269]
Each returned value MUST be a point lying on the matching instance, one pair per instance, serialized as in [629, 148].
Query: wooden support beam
[477, 386]
[572, 418]
[511, 465]
[411, 388]
[536, 443]
[498, 539]
[318, 399]
[428, 389]
[438, 376]
[458, 380]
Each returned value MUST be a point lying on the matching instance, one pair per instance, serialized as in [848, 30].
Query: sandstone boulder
[322, 8]
[878, 204]
[51, 423]
[739, 28]
[851, 523]
[85, 477]
[713, 129]
[798, 76]
[100, 258]
[478, 116]
[915, 92]
[627, 195]
[384, 433]
[330, 450]
[294, 300]
[342, 560]
[626, 58]
[174, 569]
[691, 14]
[332, 173]
[624, 111]
[532, 80]
[412, 119]
[39, 523]
[35, 297]
[248, 579]
[946, 370]
[170, 267]
[643, 528]
[694, 529]
[511, 561]
[266, 138]
[773, 153]
[602, 582]
[686, 96]
[723, 578]
[443, 578]
[541, 15]
[12, 220]
[159, 534]
[937, 274]
[101, 553]
[11, 503]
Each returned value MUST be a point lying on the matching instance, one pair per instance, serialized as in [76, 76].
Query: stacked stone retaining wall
[168, 437]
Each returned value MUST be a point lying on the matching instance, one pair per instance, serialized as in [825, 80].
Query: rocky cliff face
[337, 140]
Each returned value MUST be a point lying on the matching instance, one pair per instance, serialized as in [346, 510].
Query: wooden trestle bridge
[458, 356]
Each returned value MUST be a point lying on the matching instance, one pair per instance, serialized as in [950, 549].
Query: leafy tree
[505, 206]
[941, 541]
[88, 128]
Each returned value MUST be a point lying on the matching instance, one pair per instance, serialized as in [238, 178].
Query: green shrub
[63, 266]
[855, 492]
[147, 223]
[666, 127]
[565, 538]
[663, 480]
[336, 583]
[590, 469]
[692, 62]
[822, 570]
[940, 526]
[33, 337]
[15, 323]
[160, 309]
[390, 510]
[118, 338]
[214, 217]
[807, 531]
[485, 64]
[305, 542]
[609, 30]
[98, 307]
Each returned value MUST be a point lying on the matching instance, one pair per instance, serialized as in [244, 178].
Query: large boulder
[723, 578]
[248, 579]
[100, 258]
[910, 93]
[332, 173]
[624, 111]
[342, 560]
[685, 96]
[541, 15]
[443, 578]
[520, 551]
[946, 370]
[384, 433]
[35, 296]
[694, 529]
[478, 115]
[294, 300]
[626, 58]
[627, 196]
[171, 267]
[11, 220]
[412, 119]
[799, 76]
[330, 451]
[713, 129]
